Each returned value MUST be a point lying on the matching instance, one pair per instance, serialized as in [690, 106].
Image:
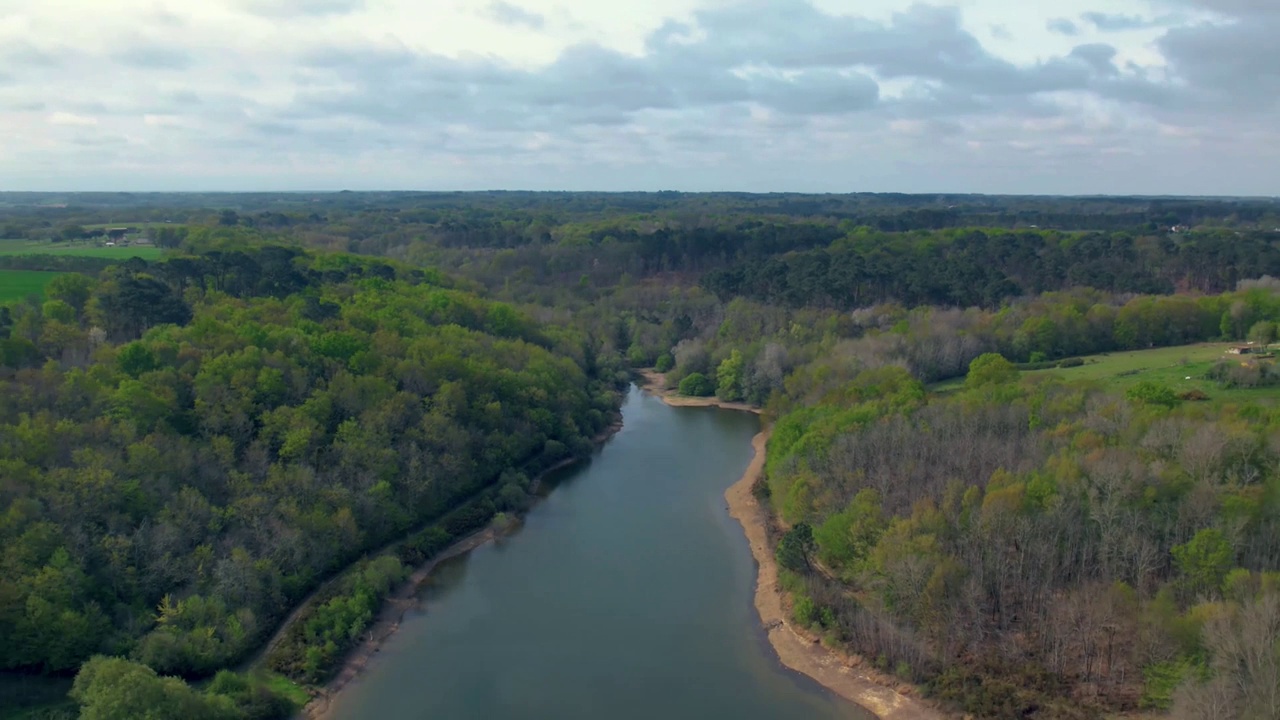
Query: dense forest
[312, 393]
[1039, 545]
[190, 447]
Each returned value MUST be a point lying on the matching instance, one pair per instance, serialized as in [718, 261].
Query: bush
[317, 641]
[804, 611]
[1150, 393]
[760, 488]
[1071, 362]
[697, 385]
[665, 363]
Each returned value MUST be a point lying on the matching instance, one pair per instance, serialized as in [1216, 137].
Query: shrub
[697, 385]
[1150, 393]
[665, 363]
[804, 612]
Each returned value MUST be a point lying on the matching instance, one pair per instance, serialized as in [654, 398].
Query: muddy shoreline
[404, 599]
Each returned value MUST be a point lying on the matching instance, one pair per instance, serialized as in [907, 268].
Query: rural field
[1183, 368]
[77, 249]
[17, 284]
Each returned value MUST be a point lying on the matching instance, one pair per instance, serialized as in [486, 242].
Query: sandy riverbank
[655, 383]
[404, 599]
[846, 676]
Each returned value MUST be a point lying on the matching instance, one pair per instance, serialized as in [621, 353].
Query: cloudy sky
[1025, 96]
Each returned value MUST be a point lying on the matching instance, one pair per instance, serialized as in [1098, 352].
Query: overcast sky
[1022, 96]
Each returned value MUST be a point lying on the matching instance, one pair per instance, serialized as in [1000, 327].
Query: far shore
[655, 383]
[848, 676]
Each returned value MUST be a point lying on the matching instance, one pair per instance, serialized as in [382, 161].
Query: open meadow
[1183, 368]
[18, 284]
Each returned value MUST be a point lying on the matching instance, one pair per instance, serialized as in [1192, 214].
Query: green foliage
[664, 363]
[990, 369]
[318, 640]
[1205, 560]
[116, 689]
[215, 435]
[72, 288]
[1262, 332]
[846, 539]
[901, 524]
[804, 612]
[794, 548]
[1150, 393]
[257, 697]
[1161, 680]
[136, 358]
[729, 377]
[697, 385]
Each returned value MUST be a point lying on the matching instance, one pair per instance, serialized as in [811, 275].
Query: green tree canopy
[990, 369]
[116, 689]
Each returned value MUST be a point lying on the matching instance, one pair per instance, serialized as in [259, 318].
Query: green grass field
[17, 284]
[78, 249]
[1182, 368]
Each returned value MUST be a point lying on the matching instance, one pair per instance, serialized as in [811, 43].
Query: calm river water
[626, 594]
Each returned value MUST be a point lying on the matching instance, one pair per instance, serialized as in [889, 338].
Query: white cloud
[696, 94]
[66, 118]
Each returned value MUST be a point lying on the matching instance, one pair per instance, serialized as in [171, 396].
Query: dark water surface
[627, 594]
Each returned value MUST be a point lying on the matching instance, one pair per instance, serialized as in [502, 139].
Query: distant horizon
[1120, 196]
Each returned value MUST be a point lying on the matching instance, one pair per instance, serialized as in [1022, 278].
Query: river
[627, 593]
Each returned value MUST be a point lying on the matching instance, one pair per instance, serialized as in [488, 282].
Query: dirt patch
[846, 675]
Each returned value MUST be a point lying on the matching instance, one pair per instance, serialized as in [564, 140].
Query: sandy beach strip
[845, 675]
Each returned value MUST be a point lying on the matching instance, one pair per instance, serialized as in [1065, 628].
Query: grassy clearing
[1182, 368]
[78, 249]
[18, 284]
[282, 685]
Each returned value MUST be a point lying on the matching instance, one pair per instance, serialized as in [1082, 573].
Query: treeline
[889, 212]
[757, 352]
[1039, 547]
[984, 268]
[187, 448]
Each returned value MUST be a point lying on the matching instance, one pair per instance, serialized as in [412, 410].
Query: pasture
[1183, 368]
[18, 284]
